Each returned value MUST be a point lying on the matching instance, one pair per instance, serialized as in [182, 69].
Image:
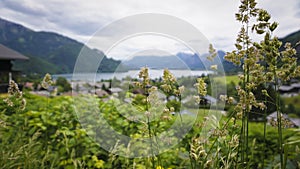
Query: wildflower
[273, 122]
[269, 77]
[152, 89]
[15, 96]
[241, 77]
[166, 118]
[208, 164]
[94, 158]
[133, 118]
[47, 81]
[137, 84]
[212, 53]
[201, 87]
[179, 91]
[219, 132]
[223, 98]
[214, 67]
[250, 86]
[262, 106]
[238, 108]
[194, 156]
[147, 113]
[198, 99]
[8, 102]
[169, 82]
[143, 73]
[284, 122]
[99, 164]
[13, 89]
[206, 118]
[166, 87]
[265, 92]
[239, 115]
[166, 110]
[230, 100]
[23, 104]
[234, 142]
[202, 153]
[168, 76]
[2, 124]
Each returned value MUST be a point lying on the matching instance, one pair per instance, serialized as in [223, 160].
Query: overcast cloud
[81, 19]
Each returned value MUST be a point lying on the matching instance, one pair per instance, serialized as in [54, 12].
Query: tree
[63, 84]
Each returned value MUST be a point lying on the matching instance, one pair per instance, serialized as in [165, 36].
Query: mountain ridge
[49, 52]
[294, 39]
[181, 60]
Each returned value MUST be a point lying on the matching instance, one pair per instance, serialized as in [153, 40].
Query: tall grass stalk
[251, 56]
[265, 125]
[279, 120]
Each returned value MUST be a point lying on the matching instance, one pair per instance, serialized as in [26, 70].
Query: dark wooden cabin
[7, 73]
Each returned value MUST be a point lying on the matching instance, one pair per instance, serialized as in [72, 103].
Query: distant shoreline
[154, 73]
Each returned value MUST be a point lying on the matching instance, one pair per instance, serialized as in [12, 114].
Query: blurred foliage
[48, 134]
[63, 85]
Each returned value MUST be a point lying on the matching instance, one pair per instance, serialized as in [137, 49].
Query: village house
[294, 122]
[7, 73]
[290, 90]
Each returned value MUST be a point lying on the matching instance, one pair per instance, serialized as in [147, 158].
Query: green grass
[202, 112]
[295, 100]
[229, 79]
[292, 106]
[3, 95]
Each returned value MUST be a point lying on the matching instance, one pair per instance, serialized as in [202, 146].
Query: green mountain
[53, 53]
[48, 52]
[294, 39]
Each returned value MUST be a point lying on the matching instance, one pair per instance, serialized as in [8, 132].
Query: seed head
[201, 87]
[13, 89]
[214, 67]
[47, 81]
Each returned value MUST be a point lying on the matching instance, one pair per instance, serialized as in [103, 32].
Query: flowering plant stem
[279, 126]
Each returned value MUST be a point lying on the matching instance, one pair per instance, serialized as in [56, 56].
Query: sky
[82, 20]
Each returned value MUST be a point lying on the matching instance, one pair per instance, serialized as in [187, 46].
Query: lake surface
[154, 73]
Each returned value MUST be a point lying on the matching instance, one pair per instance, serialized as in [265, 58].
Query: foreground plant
[262, 64]
[44, 136]
[15, 97]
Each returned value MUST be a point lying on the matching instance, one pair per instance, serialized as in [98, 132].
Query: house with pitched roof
[7, 73]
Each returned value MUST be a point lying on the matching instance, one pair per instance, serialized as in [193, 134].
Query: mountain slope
[192, 60]
[294, 39]
[180, 61]
[155, 62]
[48, 52]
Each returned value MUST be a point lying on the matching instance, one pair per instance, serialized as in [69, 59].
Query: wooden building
[7, 73]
